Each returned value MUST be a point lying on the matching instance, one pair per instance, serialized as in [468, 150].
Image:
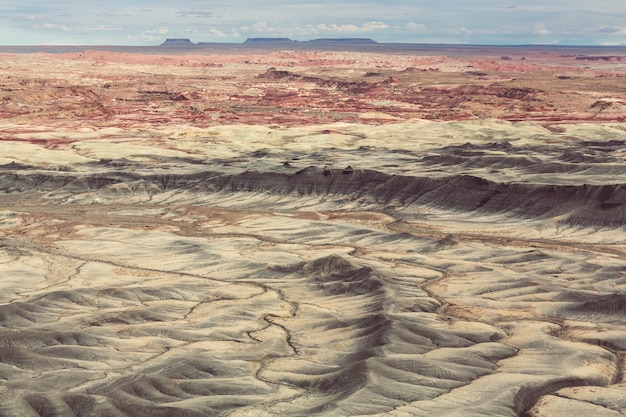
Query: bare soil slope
[312, 233]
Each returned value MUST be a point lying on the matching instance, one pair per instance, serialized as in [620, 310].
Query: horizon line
[364, 42]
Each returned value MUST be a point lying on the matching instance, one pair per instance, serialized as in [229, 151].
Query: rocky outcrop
[605, 58]
[576, 205]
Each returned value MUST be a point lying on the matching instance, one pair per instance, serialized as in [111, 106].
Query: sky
[150, 22]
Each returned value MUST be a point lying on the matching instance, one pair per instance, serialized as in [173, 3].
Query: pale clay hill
[288, 235]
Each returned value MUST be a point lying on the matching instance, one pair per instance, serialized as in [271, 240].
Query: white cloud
[217, 33]
[323, 29]
[207, 34]
[374, 26]
[112, 15]
[540, 29]
[101, 28]
[201, 13]
[262, 27]
[484, 21]
[333, 28]
[52, 26]
[161, 31]
[155, 34]
[330, 29]
[415, 27]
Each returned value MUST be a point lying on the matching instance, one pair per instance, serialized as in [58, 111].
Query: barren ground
[292, 233]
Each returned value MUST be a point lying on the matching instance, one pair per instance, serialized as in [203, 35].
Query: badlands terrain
[360, 231]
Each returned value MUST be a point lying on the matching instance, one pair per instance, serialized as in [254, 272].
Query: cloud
[155, 34]
[217, 33]
[100, 28]
[83, 29]
[210, 32]
[611, 30]
[540, 29]
[52, 26]
[374, 26]
[327, 29]
[333, 28]
[202, 13]
[415, 27]
[207, 34]
[112, 14]
[262, 27]
[478, 21]
[160, 31]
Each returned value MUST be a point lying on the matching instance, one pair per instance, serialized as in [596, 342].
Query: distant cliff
[356, 41]
[184, 42]
[177, 42]
[259, 40]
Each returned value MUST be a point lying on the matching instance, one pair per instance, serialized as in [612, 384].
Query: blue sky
[150, 22]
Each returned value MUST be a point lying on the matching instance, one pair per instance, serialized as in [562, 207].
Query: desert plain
[340, 230]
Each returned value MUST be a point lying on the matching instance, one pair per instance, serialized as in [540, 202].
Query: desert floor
[265, 233]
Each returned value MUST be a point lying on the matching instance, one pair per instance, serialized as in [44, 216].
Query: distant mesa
[177, 42]
[357, 41]
[184, 42]
[264, 40]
